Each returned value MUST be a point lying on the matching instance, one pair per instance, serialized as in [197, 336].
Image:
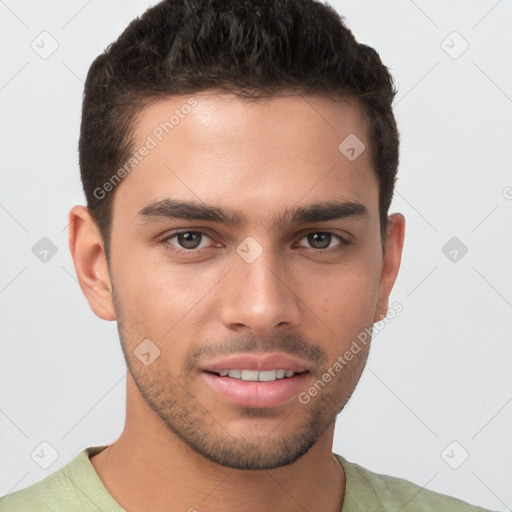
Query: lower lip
[256, 394]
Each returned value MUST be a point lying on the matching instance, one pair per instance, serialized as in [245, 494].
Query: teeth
[249, 374]
[267, 375]
[255, 375]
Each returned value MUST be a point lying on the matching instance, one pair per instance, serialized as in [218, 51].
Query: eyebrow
[317, 212]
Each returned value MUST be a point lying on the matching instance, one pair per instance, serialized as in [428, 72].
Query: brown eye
[186, 241]
[322, 240]
[189, 239]
[319, 240]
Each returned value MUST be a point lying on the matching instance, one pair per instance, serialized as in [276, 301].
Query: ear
[395, 234]
[87, 250]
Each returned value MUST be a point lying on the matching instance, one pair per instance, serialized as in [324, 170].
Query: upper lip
[260, 362]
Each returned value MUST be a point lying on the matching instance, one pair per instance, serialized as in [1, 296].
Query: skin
[183, 445]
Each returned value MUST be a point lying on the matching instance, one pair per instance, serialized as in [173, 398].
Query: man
[238, 160]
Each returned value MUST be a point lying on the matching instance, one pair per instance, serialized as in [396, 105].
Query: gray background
[440, 370]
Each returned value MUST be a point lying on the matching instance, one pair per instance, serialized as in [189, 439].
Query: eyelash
[193, 252]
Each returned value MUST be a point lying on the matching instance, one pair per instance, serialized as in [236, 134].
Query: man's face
[285, 292]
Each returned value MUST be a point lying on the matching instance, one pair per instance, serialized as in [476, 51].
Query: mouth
[258, 380]
[256, 375]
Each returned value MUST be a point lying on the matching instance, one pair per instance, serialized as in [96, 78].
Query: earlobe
[87, 250]
[395, 235]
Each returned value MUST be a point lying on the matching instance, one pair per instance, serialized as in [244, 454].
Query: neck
[150, 468]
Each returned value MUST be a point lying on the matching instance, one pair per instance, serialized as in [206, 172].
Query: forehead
[221, 118]
[254, 154]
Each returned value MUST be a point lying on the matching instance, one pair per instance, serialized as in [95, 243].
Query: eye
[186, 240]
[189, 243]
[322, 240]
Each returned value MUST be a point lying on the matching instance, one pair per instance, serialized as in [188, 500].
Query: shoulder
[366, 490]
[40, 497]
[75, 487]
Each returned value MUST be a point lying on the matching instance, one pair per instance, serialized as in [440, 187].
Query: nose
[259, 296]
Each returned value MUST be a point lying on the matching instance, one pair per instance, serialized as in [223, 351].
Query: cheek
[161, 301]
[348, 292]
[346, 304]
[144, 276]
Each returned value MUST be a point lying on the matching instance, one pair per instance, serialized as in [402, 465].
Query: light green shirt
[77, 488]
